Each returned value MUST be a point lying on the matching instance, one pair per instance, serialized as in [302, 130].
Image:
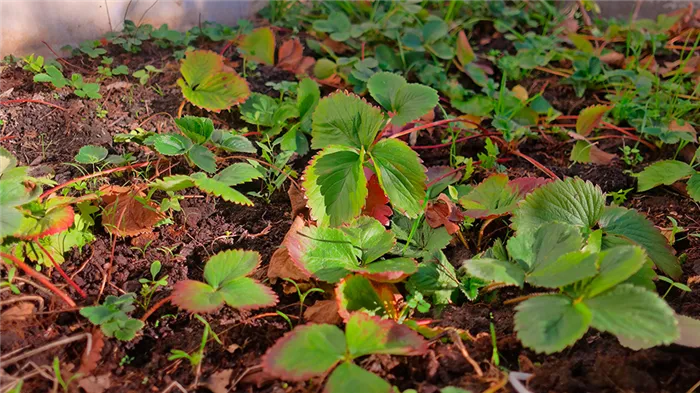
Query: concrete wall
[650, 9]
[25, 23]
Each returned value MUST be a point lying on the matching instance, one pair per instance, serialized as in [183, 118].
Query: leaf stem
[39, 277]
[438, 123]
[60, 271]
[155, 307]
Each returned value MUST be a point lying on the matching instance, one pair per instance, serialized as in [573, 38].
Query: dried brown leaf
[89, 360]
[124, 215]
[291, 57]
[323, 311]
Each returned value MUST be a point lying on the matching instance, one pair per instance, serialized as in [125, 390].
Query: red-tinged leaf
[376, 204]
[367, 334]
[356, 293]
[389, 270]
[259, 46]
[590, 118]
[464, 52]
[675, 126]
[57, 218]
[526, 185]
[444, 212]
[196, 296]
[290, 57]
[305, 352]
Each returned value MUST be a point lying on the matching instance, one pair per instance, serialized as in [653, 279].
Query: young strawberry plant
[347, 129]
[321, 349]
[112, 317]
[668, 172]
[225, 283]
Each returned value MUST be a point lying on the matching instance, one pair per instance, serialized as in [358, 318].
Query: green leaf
[434, 29]
[616, 265]
[465, 53]
[366, 334]
[323, 252]
[207, 84]
[203, 158]
[550, 323]
[238, 173]
[259, 46]
[56, 220]
[619, 223]
[496, 196]
[567, 269]
[572, 201]
[435, 277]
[308, 96]
[10, 221]
[494, 270]
[407, 101]
[357, 293]
[345, 119]
[90, 154]
[590, 118]
[550, 242]
[401, 175]
[305, 352]
[693, 186]
[225, 279]
[173, 183]
[349, 378]
[232, 143]
[662, 172]
[389, 270]
[324, 68]
[581, 43]
[335, 186]
[172, 144]
[13, 193]
[220, 189]
[634, 313]
[7, 160]
[259, 109]
[373, 239]
[198, 129]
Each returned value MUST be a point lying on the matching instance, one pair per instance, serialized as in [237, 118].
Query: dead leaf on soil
[323, 311]
[291, 57]
[89, 360]
[19, 312]
[613, 58]
[337, 47]
[298, 201]
[117, 86]
[281, 264]
[443, 211]
[96, 384]
[218, 381]
[125, 215]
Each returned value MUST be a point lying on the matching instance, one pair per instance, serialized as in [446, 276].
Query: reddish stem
[535, 163]
[23, 100]
[64, 61]
[362, 56]
[90, 176]
[61, 272]
[625, 132]
[252, 133]
[228, 45]
[39, 277]
[155, 308]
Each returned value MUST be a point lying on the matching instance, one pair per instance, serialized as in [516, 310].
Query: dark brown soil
[39, 134]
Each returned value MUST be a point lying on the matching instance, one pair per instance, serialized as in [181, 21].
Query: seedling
[620, 196]
[225, 283]
[59, 377]
[112, 317]
[196, 358]
[302, 295]
[673, 284]
[33, 64]
[145, 74]
[10, 277]
[150, 286]
[52, 75]
[83, 90]
[320, 349]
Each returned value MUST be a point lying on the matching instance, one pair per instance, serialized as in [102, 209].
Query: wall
[25, 23]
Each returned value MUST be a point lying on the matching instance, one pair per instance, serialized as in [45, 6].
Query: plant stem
[156, 307]
[61, 272]
[39, 277]
[460, 140]
[438, 123]
[90, 176]
[625, 132]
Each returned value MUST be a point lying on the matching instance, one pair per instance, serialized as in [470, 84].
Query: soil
[42, 135]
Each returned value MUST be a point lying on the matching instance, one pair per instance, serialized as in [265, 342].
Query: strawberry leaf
[202, 158]
[693, 187]
[496, 196]
[259, 46]
[590, 118]
[324, 253]
[238, 173]
[226, 282]
[345, 119]
[664, 172]
[335, 185]
[407, 101]
[615, 266]
[401, 175]
[494, 270]
[370, 237]
[208, 84]
[198, 129]
[367, 334]
[350, 378]
[172, 144]
[464, 52]
[220, 189]
[550, 323]
[305, 352]
[90, 154]
[389, 270]
[57, 216]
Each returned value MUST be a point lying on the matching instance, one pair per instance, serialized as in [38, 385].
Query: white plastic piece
[516, 380]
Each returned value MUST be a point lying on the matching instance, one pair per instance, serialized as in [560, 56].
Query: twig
[438, 123]
[39, 277]
[62, 60]
[108, 274]
[23, 100]
[463, 350]
[522, 298]
[58, 343]
[155, 307]
[15, 299]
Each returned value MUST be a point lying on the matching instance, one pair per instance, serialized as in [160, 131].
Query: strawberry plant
[112, 317]
[668, 172]
[207, 83]
[347, 129]
[581, 204]
[225, 283]
[320, 349]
